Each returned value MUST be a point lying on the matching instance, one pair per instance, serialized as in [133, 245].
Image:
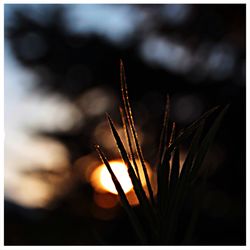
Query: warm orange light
[106, 200]
[102, 181]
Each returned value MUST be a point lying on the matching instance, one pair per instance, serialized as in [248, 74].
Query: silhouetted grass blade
[163, 185]
[163, 194]
[186, 132]
[166, 151]
[174, 176]
[162, 145]
[164, 137]
[134, 220]
[126, 130]
[177, 194]
[198, 199]
[196, 153]
[137, 185]
[187, 165]
[172, 134]
[130, 119]
[173, 172]
[164, 172]
[206, 143]
[163, 175]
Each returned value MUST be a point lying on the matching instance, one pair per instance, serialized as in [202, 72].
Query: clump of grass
[160, 213]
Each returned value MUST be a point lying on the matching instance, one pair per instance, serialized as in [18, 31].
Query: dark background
[195, 53]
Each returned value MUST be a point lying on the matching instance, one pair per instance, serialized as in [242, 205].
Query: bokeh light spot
[102, 177]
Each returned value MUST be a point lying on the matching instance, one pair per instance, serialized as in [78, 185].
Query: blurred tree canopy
[195, 53]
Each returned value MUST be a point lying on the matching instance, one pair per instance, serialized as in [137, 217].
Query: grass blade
[186, 132]
[163, 176]
[161, 172]
[163, 137]
[130, 119]
[193, 163]
[126, 130]
[187, 165]
[196, 211]
[178, 193]
[206, 143]
[163, 185]
[163, 194]
[172, 135]
[137, 185]
[174, 175]
[133, 218]
[166, 171]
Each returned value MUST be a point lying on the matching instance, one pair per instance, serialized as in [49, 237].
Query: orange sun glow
[101, 179]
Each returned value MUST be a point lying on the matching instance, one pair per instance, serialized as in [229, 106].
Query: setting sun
[101, 180]
[101, 177]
